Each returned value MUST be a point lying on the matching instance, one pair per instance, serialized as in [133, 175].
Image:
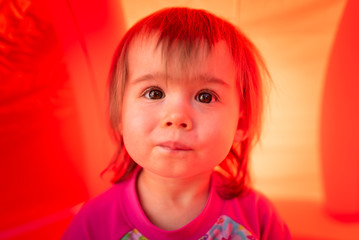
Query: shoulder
[257, 201]
[259, 215]
[108, 199]
[99, 216]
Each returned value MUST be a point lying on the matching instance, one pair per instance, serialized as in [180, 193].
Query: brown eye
[154, 94]
[204, 97]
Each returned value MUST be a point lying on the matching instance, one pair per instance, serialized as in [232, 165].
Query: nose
[177, 122]
[178, 116]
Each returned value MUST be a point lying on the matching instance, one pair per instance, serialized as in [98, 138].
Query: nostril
[182, 125]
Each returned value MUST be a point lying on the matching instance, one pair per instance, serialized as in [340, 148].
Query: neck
[171, 203]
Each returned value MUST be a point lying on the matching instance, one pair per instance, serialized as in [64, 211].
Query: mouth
[174, 146]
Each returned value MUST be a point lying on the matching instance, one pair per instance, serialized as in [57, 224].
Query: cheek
[224, 140]
[228, 122]
[220, 134]
[133, 125]
[133, 136]
[137, 125]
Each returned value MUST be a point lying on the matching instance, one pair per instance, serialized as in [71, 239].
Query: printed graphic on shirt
[224, 229]
[227, 229]
[134, 235]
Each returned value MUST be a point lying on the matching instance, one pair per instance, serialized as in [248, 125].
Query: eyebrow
[161, 76]
[147, 77]
[211, 79]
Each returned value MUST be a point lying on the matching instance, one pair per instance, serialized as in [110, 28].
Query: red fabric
[54, 60]
[39, 126]
[339, 121]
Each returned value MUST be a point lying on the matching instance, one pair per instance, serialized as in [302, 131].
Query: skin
[178, 123]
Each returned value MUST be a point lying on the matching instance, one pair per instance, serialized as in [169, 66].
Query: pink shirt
[117, 214]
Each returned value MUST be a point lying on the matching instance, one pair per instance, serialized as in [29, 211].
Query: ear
[239, 135]
[241, 132]
[120, 128]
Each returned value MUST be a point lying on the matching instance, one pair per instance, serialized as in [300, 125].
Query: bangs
[180, 56]
[184, 25]
[183, 34]
[183, 53]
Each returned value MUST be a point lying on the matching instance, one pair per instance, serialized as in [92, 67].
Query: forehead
[179, 59]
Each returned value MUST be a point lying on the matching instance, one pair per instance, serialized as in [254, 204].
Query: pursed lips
[174, 146]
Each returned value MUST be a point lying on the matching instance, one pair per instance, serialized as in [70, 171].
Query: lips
[174, 146]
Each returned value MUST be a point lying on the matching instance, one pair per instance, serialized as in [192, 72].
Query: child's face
[179, 121]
